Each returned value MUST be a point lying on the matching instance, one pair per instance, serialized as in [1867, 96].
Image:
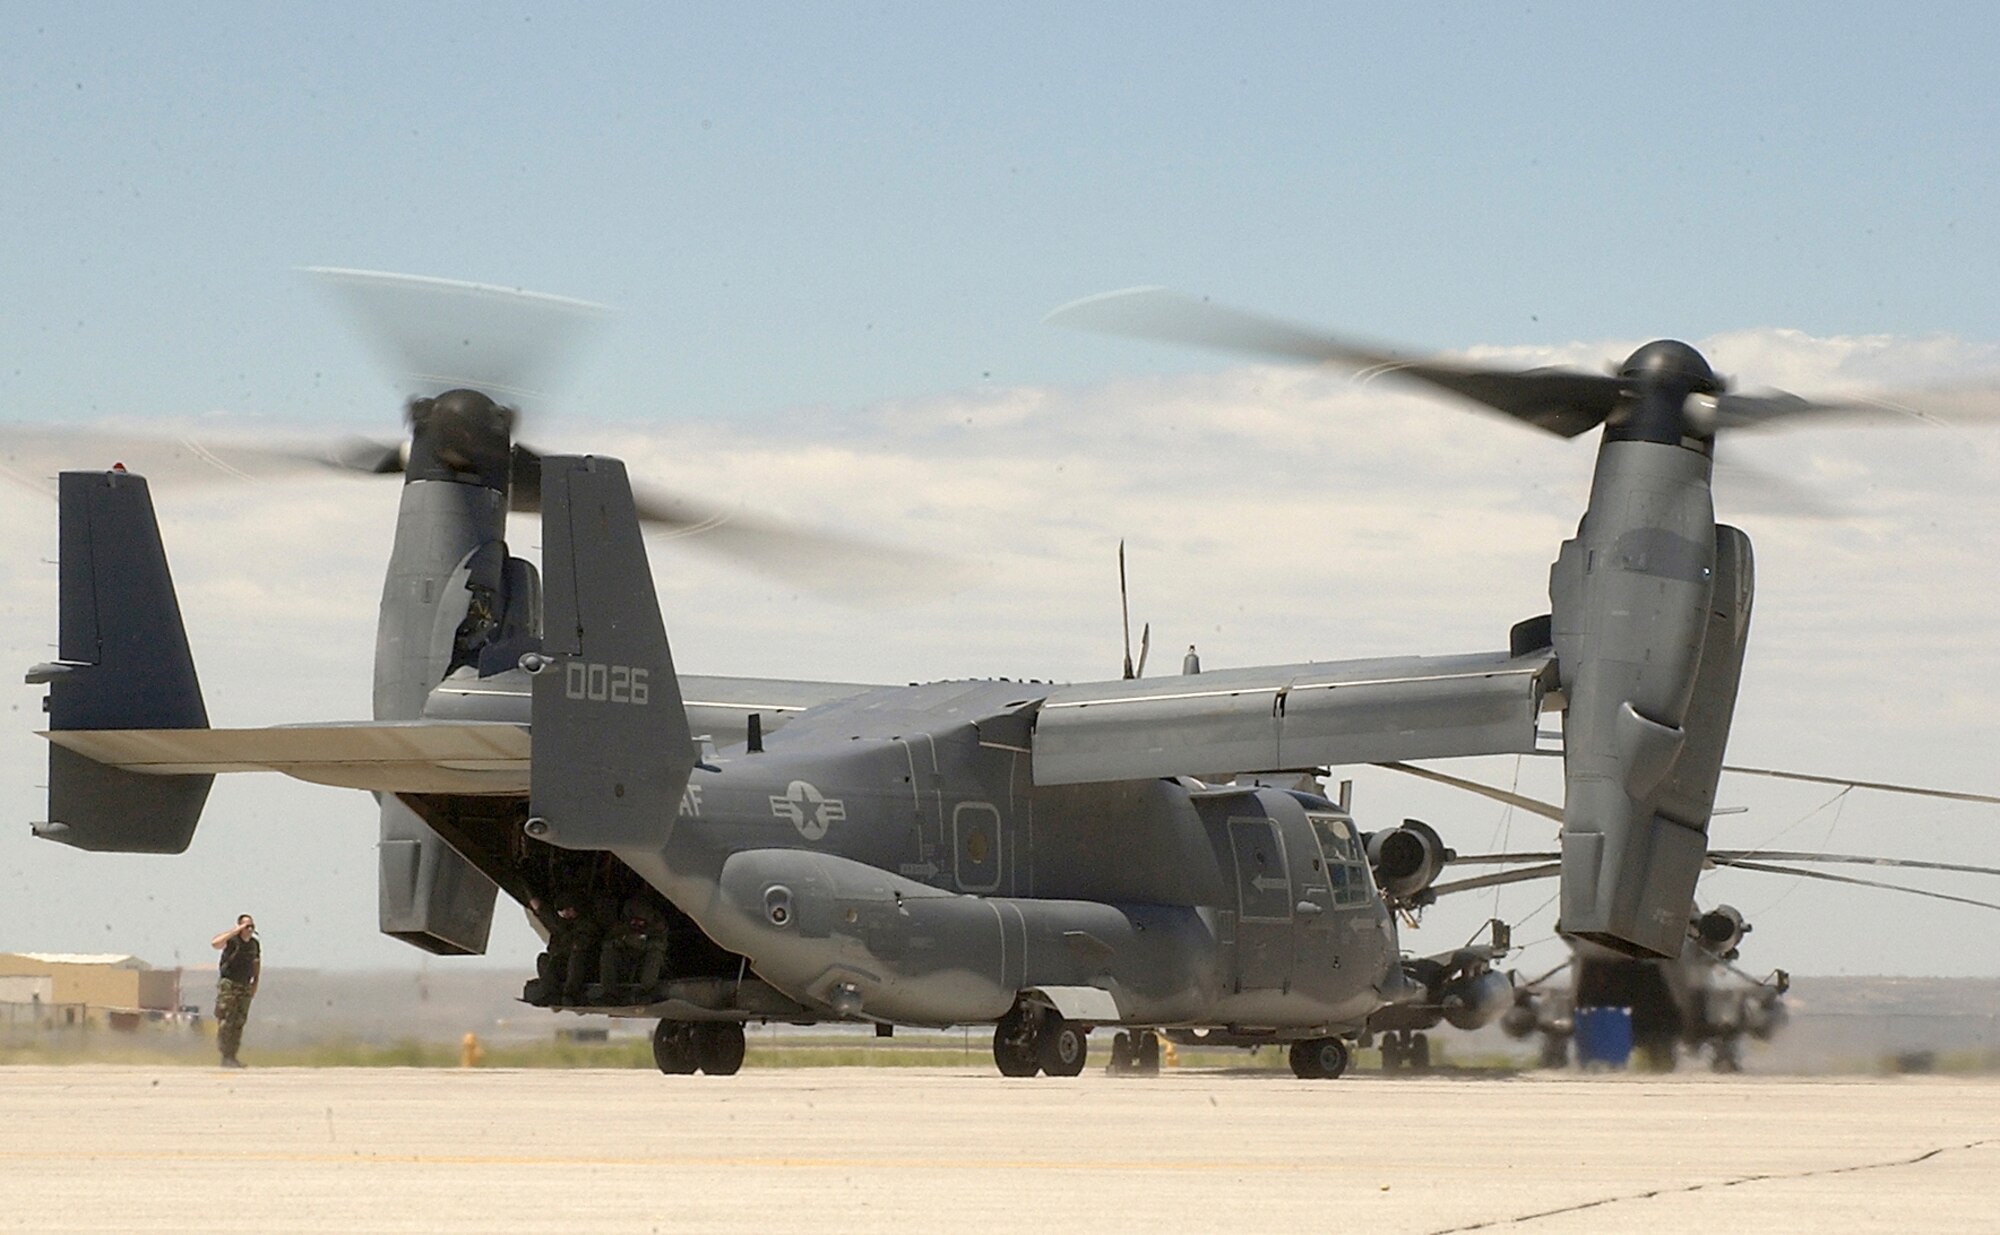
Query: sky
[830, 235]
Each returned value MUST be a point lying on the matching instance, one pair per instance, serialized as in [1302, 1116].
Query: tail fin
[124, 664]
[612, 749]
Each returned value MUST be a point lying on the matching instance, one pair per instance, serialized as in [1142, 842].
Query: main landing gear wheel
[1404, 1049]
[1319, 1059]
[1135, 1052]
[673, 1047]
[714, 1047]
[1060, 1046]
[718, 1047]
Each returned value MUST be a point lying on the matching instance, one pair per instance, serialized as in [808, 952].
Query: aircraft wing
[389, 756]
[1292, 717]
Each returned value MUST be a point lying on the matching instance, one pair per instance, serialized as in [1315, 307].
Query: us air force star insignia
[811, 812]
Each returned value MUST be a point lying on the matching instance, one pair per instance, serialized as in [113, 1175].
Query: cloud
[1272, 515]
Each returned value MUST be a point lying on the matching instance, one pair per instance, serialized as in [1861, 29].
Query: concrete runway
[917, 1149]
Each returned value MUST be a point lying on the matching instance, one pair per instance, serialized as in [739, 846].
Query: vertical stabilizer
[612, 747]
[124, 664]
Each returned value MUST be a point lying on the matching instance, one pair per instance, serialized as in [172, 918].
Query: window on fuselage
[1346, 859]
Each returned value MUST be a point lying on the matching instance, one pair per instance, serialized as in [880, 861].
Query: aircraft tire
[1011, 1055]
[1304, 1061]
[1122, 1055]
[718, 1047]
[1420, 1053]
[1061, 1047]
[1320, 1059]
[673, 1048]
[1148, 1060]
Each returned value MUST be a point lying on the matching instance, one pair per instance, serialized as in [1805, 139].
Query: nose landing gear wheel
[1319, 1059]
[1014, 1045]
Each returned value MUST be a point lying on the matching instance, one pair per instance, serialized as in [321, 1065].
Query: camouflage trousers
[232, 1009]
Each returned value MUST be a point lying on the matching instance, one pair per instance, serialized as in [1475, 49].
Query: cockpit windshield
[1346, 859]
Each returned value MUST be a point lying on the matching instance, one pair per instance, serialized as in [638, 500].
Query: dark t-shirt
[239, 958]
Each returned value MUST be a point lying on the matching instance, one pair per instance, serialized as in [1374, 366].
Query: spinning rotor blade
[33, 455]
[1972, 403]
[437, 334]
[1562, 401]
[824, 561]
[1565, 402]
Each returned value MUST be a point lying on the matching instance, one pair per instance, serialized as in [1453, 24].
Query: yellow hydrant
[470, 1052]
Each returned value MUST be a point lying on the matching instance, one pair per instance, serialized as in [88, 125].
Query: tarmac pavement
[93, 1148]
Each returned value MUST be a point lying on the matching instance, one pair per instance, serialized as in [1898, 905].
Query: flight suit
[233, 992]
[640, 937]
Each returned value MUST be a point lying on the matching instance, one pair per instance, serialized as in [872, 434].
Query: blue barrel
[1603, 1036]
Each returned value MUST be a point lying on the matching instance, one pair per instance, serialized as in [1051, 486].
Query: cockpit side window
[1346, 859]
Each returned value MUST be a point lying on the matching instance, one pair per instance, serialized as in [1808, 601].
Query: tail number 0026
[598, 683]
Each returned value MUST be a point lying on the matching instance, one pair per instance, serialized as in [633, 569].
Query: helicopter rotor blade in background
[1884, 786]
[1921, 791]
[1729, 857]
[1732, 857]
[1498, 879]
[1830, 877]
[1534, 806]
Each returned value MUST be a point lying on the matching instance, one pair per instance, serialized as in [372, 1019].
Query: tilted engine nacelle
[1651, 606]
[1720, 931]
[1407, 860]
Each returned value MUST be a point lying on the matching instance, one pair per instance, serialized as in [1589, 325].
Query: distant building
[65, 990]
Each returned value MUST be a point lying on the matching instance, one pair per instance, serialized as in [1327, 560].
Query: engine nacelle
[1720, 930]
[1521, 1020]
[1407, 860]
[1477, 999]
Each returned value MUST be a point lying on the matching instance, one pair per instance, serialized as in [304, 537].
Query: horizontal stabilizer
[385, 756]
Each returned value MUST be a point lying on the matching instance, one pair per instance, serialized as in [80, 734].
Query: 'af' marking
[808, 810]
[690, 802]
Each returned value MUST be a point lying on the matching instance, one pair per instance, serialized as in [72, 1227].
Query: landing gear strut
[714, 1047]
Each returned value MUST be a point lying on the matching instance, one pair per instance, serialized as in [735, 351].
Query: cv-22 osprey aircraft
[1045, 859]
